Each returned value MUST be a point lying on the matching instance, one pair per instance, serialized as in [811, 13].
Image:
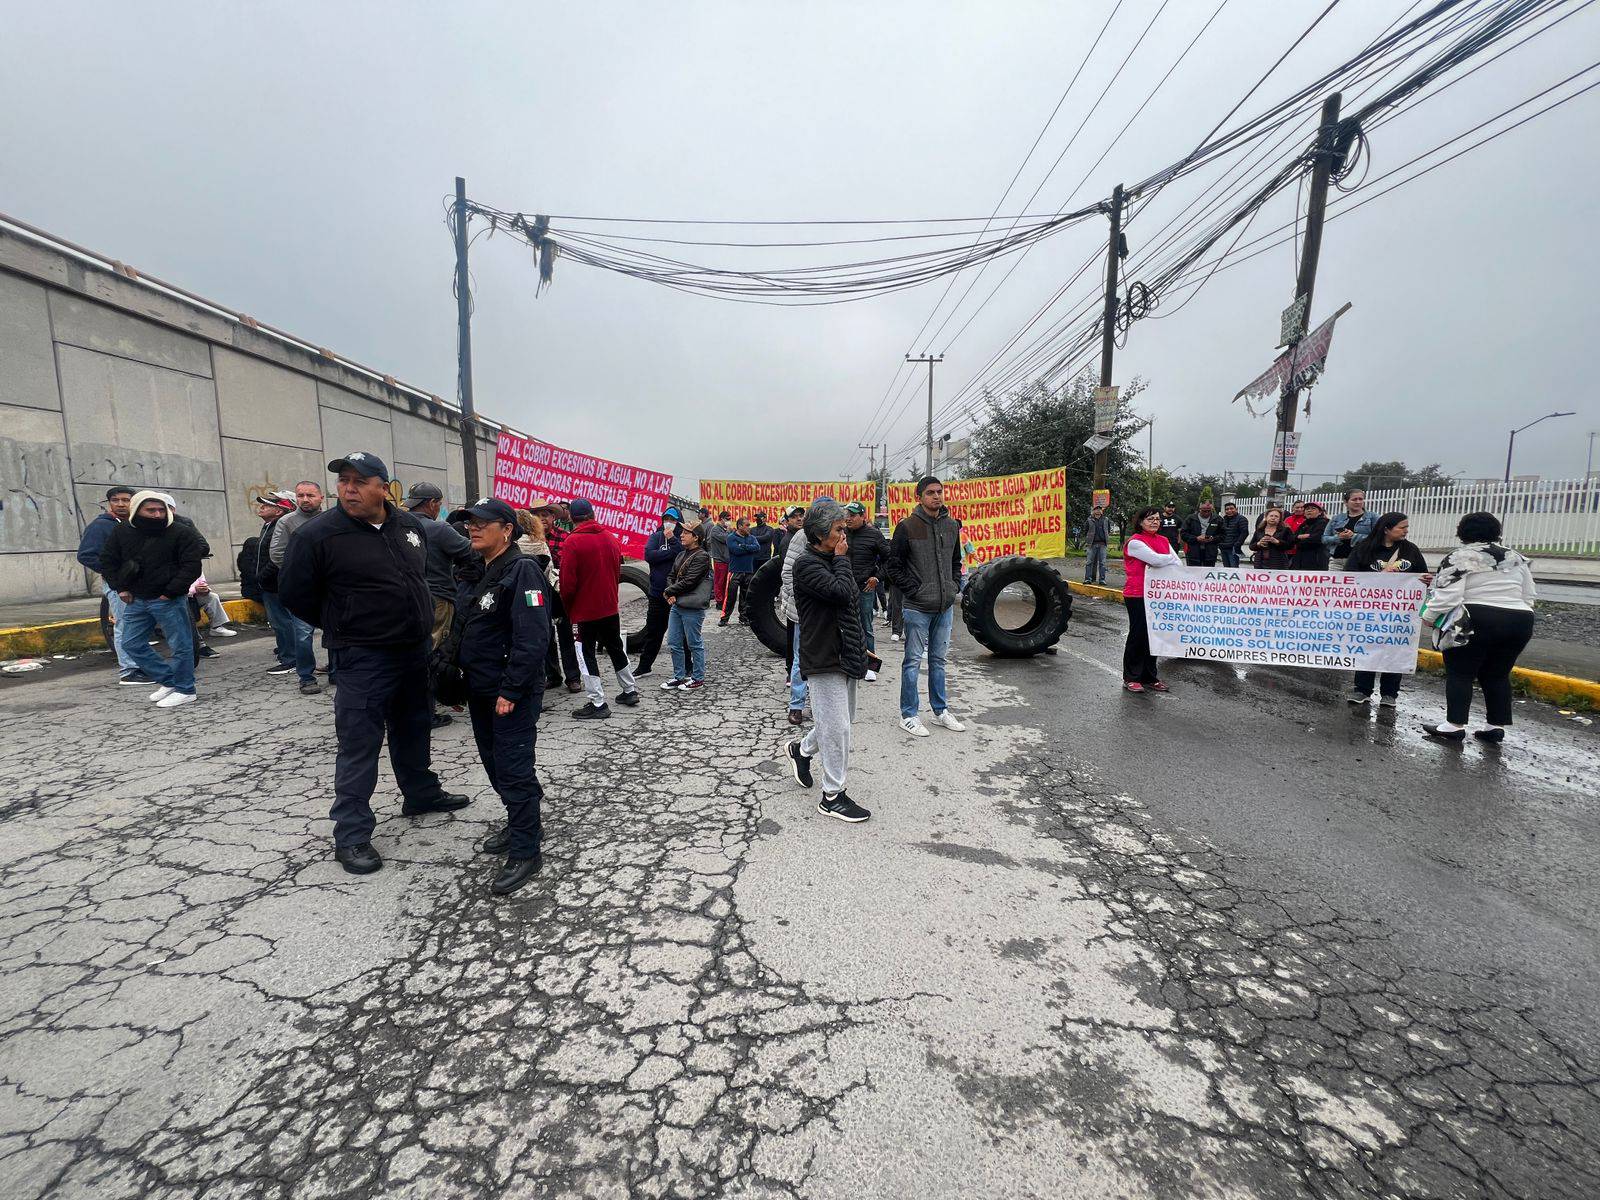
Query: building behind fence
[1541, 516]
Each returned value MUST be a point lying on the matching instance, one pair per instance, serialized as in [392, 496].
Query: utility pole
[469, 441]
[1321, 168]
[930, 360]
[872, 469]
[1116, 250]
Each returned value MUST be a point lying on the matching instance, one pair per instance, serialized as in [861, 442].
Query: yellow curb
[70, 637]
[1561, 689]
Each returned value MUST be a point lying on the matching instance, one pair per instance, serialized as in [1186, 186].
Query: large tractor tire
[1052, 606]
[762, 614]
[634, 614]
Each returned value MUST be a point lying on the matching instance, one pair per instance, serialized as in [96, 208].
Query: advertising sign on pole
[1105, 409]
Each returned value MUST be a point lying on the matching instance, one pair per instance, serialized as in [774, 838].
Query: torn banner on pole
[1309, 356]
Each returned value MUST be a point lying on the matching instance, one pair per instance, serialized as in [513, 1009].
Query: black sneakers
[591, 712]
[842, 808]
[281, 669]
[628, 698]
[801, 763]
[135, 679]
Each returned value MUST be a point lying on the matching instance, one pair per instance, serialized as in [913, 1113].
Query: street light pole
[1511, 444]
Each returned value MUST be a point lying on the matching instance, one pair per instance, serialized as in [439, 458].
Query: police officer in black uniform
[359, 572]
[502, 637]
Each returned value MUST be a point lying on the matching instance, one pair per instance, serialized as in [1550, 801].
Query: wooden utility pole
[1321, 168]
[930, 360]
[469, 441]
[1115, 251]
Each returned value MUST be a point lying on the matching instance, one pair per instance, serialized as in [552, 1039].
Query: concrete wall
[106, 380]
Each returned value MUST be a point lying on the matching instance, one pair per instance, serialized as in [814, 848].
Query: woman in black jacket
[1309, 552]
[502, 636]
[1269, 547]
[1384, 549]
[833, 655]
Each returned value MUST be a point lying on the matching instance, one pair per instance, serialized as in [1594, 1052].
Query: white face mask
[670, 527]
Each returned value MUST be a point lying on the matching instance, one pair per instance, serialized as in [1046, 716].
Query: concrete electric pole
[930, 360]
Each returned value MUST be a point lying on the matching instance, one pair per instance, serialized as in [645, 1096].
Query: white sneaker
[161, 693]
[871, 676]
[225, 631]
[894, 637]
[176, 698]
[947, 719]
[914, 726]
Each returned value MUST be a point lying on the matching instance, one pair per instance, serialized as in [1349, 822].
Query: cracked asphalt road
[1236, 941]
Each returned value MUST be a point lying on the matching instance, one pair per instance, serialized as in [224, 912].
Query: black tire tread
[983, 589]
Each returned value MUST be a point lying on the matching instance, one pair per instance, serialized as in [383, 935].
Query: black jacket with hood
[152, 559]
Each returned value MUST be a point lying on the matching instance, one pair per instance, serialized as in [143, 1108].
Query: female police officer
[503, 637]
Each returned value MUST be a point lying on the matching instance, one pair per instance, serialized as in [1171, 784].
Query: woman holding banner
[1145, 548]
[1384, 549]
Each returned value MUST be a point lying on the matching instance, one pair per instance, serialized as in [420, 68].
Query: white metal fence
[1548, 516]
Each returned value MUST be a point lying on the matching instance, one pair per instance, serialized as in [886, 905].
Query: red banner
[628, 501]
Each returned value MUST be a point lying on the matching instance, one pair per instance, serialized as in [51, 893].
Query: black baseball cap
[361, 460]
[491, 509]
[421, 493]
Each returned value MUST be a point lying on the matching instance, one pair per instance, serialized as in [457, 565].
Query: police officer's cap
[421, 493]
[492, 510]
[360, 460]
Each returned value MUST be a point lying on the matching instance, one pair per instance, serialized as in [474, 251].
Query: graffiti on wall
[36, 506]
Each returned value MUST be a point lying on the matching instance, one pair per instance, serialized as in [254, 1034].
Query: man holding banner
[925, 564]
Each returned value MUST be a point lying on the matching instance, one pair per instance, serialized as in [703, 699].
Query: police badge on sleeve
[411, 536]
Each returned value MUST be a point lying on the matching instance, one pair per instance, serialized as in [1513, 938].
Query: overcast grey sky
[290, 159]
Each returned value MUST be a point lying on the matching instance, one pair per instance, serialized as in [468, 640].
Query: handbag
[700, 598]
[1452, 629]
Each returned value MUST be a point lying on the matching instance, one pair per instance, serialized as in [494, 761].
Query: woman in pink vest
[1145, 548]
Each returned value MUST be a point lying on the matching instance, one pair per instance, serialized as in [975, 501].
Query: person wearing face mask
[151, 560]
[660, 552]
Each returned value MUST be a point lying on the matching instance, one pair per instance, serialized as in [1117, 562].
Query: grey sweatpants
[833, 708]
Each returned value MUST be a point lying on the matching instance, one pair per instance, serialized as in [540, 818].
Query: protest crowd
[488, 608]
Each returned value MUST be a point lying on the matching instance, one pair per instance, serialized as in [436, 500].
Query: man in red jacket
[591, 568]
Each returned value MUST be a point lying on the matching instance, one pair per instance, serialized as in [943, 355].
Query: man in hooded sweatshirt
[925, 564]
[151, 560]
[591, 567]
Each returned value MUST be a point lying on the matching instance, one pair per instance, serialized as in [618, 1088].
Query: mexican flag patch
[534, 597]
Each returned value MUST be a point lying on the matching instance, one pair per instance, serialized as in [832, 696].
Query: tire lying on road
[639, 577]
[762, 612]
[1052, 606]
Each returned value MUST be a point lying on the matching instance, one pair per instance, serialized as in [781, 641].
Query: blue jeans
[931, 630]
[868, 602]
[139, 618]
[125, 662]
[797, 685]
[1230, 556]
[683, 639]
[1094, 570]
[294, 638]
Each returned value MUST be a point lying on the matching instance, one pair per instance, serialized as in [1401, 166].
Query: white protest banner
[1367, 621]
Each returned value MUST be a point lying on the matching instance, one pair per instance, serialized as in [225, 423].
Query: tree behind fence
[1550, 516]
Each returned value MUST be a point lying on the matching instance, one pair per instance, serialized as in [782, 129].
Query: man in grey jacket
[925, 564]
[307, 505]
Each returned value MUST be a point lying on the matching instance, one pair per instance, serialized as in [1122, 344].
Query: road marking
[1093, 662]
